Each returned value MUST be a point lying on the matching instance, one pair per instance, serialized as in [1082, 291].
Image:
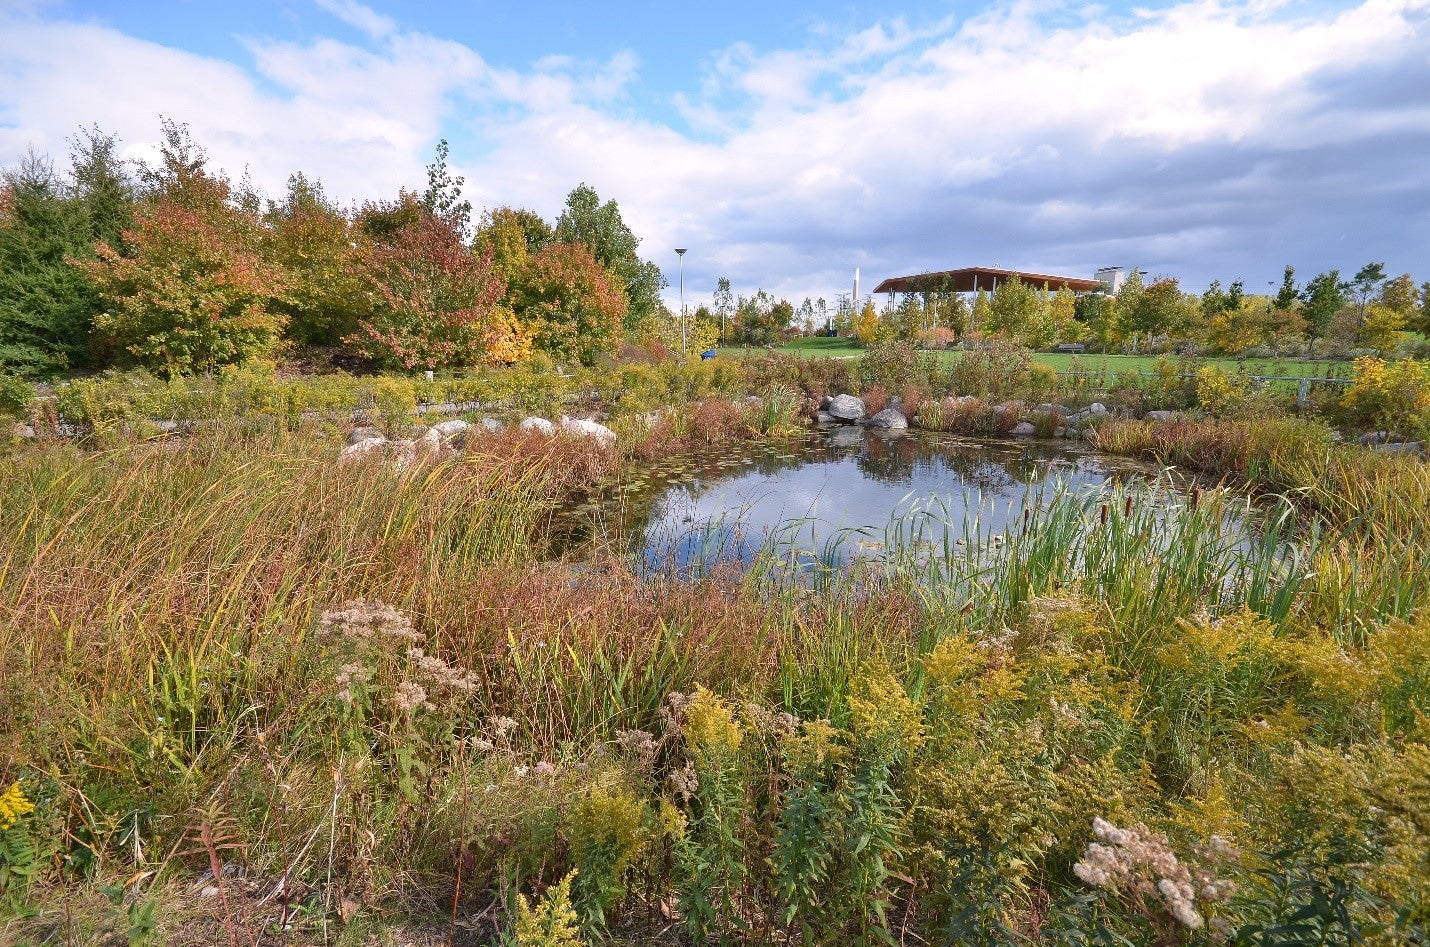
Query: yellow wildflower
[709, 724]
[13, 805]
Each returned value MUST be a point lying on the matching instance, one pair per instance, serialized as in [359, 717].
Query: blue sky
[786, 144]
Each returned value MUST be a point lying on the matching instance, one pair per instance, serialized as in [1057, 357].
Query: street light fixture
[680, 252]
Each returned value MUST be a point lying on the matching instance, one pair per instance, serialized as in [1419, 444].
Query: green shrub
[16, 394]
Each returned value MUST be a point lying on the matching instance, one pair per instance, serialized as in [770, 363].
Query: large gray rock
[364, 449]
[23, 431]
[492, 425]
[823, 417]
[1024, 429]
[537, 424]
[891, 419]
[450, 429]
[847, 408]
[1163, 417]
[594, 429]
[1400, 447]
[364, 433]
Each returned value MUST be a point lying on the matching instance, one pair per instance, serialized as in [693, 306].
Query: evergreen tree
[47, 306]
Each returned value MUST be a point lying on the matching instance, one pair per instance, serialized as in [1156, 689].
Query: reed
[859, 748]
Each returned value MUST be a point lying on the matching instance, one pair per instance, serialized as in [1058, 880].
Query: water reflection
[834, 493]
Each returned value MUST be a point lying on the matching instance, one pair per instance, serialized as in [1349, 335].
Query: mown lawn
[1108, 364]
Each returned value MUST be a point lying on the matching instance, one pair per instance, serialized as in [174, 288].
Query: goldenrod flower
[13, 805]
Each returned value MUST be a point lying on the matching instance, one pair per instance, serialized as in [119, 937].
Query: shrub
[1220, 392]
[1392, 396]
[896, 365]
[16, 394]
[997, 368]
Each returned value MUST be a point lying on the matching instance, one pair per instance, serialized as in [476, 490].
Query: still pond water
[836, 492]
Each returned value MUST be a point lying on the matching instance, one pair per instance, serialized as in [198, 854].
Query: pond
[840, 494]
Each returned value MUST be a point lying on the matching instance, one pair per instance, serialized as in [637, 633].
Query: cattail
[1102, 515]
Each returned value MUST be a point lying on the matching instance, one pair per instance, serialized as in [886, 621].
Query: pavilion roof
[972, 278]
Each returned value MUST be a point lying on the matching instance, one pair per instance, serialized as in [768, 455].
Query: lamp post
[680, 252]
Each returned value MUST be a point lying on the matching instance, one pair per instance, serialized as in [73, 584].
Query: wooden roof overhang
[973, 278]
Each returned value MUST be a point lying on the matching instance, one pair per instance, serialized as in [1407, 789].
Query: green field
[1108, 364]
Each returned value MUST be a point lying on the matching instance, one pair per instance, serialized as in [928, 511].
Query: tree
[1364, 283]
[569, 303]
[313, 242]
[1382, 328]
[435, 303]
[101, 184]
[1234, 331]
[193, 291]
[1321, 298]
[47, 306]
[1287, 296]
[1213, 300]
[511, 235]
[443, 196]
[1422, 322]
[1401, 295]
[1160, 309]
[866, 326]
[600, 227]
[1098, 313]
[1013, 310]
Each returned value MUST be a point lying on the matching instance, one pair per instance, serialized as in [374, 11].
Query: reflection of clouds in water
[838, 488]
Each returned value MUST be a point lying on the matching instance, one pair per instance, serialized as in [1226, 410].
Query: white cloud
[1210, 138]
[360, 17]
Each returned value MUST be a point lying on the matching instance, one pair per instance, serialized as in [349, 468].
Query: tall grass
[807, 751]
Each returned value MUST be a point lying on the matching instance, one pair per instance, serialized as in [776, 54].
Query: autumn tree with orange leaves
[192, 289]
[570, 303]
[435, 304]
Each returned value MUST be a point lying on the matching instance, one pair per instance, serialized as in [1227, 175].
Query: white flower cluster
[637, 741]
[1140, 862]
[360, 620]
[348, 675]
[439, 673]
[772, 721]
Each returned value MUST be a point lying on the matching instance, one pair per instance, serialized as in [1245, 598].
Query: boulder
[537, 424]
[1400, 447]
[1374, 437]
[450, 429]
[1097, 407]
[1163, 417]
[492, 425]
[825, 402]
[604, 435]
[364, 433]
[23, 432]
[823, 417]
[891, 419]
[363, 449]
[1024, 429]
[847, 408]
